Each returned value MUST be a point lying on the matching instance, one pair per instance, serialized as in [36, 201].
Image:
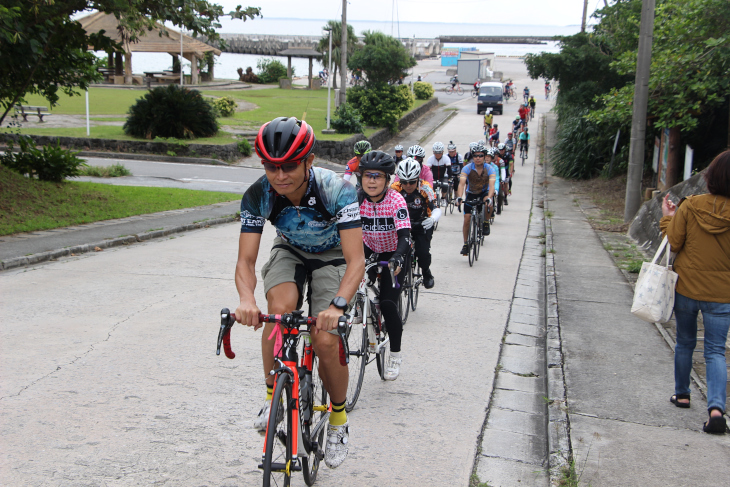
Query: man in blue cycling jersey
[478, 180]
[319, 234]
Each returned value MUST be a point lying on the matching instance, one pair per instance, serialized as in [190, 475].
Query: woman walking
[698, 230]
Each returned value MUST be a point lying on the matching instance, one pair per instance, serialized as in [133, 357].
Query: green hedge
[423, 90]
[381, 105]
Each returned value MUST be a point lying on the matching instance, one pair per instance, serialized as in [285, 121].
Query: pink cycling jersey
[382, 220]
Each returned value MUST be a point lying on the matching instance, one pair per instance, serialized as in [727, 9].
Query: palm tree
[323, 46]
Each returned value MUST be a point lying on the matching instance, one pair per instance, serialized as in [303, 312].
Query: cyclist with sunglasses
[420, 200]
[319, 234]
[362, 147]
[385, 231]
[440, 167]
[478, 179]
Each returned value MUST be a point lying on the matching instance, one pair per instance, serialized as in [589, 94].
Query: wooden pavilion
[300, 52]
[159, 39]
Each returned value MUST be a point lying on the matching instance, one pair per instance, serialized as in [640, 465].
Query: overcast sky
[537, 12]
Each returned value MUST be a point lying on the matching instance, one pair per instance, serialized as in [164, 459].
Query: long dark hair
[717, 175]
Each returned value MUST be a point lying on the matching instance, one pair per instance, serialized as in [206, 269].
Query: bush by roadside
[113, 171]
[381, 105]
[48, 164]
[423, 90]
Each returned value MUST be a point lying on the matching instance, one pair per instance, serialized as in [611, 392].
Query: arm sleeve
[436, 214]
[403, 235]
[347, 176]
[252, 218]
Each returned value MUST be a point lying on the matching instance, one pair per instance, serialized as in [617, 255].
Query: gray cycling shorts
[289, 264]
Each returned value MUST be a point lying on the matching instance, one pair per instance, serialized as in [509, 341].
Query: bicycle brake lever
[224, 335]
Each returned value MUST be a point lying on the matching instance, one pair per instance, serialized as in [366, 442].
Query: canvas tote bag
[654, 293]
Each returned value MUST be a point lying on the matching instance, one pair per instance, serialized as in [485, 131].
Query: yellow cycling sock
[269, 392]
[338, 416]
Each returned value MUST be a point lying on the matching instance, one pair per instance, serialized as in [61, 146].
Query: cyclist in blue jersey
[477, 180]
[319, 240]
[493, 161]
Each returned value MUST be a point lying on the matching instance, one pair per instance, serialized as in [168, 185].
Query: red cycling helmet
[285, 140]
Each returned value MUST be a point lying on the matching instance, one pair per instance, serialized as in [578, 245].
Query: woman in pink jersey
[385, 229]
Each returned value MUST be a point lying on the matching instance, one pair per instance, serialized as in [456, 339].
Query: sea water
[227, 63]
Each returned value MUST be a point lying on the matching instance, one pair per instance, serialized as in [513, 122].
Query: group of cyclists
[327, 226]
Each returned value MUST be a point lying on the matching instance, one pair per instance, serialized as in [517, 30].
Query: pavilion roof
[299, 52]
[159, 39]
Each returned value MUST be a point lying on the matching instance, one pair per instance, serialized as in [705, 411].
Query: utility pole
[585, 15]
[638, 122]
[343, 55]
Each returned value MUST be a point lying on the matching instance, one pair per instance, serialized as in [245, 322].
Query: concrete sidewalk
[618, 370]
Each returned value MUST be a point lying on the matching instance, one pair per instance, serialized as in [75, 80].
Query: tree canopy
[688, 87]
[43, 50]
[383, 59]
[323, 46]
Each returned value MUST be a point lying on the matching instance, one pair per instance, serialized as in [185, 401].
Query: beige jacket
[700, 233]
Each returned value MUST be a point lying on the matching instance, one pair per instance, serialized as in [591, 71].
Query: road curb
[438, 126]
[153, 158]
[560, 450]
[106, 244]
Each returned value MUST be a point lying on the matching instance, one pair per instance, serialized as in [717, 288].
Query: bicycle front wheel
[315, 415]
[477, 236]
[417, 279]
[279, 435]
[460, 91]
[405, 293]
[450, 199]
[472, 238]
[357, 341]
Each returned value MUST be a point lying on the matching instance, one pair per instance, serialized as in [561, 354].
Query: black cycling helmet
[378, 160]
[285, 140]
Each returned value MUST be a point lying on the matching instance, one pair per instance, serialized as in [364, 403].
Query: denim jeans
[716, 318]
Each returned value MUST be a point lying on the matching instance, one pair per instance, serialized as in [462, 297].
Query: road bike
[413, 279]
[299, 413]
[476, 229]
[523, 154]
[367, 334]
[451, 89]
[450, 196]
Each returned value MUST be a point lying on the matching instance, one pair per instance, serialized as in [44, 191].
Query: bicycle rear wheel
[358, 343]
[311, 418]
[278, 456]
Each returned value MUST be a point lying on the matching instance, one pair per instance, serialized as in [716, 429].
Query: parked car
[490, 96]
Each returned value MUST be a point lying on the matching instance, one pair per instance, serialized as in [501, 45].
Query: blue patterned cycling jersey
[329, 205]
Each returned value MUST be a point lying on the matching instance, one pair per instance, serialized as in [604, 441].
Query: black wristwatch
[339, 302]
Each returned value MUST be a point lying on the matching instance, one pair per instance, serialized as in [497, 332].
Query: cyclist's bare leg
[465, 228]
[281, 299]
[334, 376]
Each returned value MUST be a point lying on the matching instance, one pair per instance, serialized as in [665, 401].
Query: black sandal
[675, 400]
[715, 425]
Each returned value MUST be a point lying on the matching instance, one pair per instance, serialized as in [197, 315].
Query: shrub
[226, 106]
[381, 105]
[270, 70]
[347, 120]
[423, 90]
[113, 171]
[244, 147]
[171, 111]
[50, 164]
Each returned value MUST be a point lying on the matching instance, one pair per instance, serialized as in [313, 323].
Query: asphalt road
[109, 375]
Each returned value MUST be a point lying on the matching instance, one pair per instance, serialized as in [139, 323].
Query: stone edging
[560, 450]
[105, 244]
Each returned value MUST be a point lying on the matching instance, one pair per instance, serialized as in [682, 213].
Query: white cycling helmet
[491, 151]
[500, 146]
[479, 147]
[451, 146]
[408, 169]
[399, 148]
[472, 146]
[438, 147]
[416, 151]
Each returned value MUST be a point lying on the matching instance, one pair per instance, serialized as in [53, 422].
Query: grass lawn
[28, 204]
[308, 104]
